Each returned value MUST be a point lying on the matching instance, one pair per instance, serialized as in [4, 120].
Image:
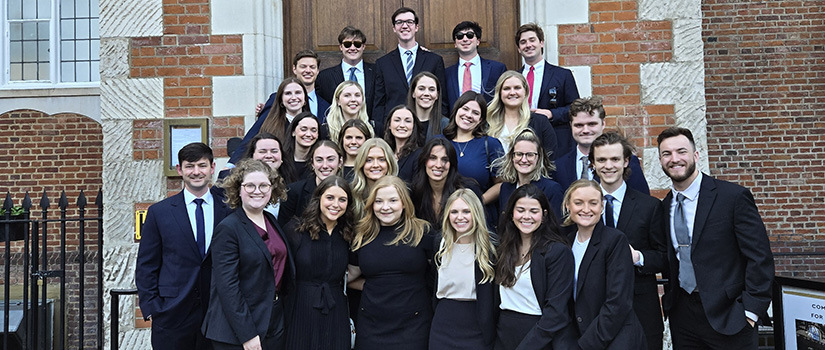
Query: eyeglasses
[348, 44]
[250, 187]
[530, 155]
[469, 35]
[409, 22]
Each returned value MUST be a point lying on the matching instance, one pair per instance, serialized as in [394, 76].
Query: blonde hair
[336, 119]
[410, 229]
[484, 250]
[360, 185]
[495, 113]
[507, 171]
[580, 183]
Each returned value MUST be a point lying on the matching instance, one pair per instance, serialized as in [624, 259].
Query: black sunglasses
[348, 44]
[469, 35]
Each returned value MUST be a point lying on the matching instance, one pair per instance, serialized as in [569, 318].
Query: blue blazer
[558, 91]
[603, 306]
[565, 173]
[329, 79]
[391, 85]
[490, 72]
[171, 276]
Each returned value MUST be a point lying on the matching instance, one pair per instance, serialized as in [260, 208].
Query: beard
[691, 168]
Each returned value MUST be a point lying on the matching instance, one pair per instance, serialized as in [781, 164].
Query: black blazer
[486, 299]
[391, 82]
[551, 270]
[604, 294]
[558, 91]
[298, 195]
[731, 254]
[565, 173]
[544, 130]
[171, 276]
[329, 79]
[490, 72]
[243, 281]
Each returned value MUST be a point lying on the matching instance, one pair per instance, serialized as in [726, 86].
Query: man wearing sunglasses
[471, 72]
[352, 43]
[395, 70]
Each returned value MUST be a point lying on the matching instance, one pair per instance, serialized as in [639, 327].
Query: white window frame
[54, 56]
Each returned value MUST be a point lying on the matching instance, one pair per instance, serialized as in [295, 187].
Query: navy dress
[317, 313]
[475, 157]
[396, 308]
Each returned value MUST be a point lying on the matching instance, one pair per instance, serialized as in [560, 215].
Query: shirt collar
[358, 66]
[476, 61]
[619, 193]
[402, 50]
[579, 154]
[692, 191]
[188, 197]
[311, 95]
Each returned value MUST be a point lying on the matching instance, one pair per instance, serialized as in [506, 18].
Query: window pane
[29, 10]
[67, 51]
[82, 8]
[43, 51]
[15, 31]
[16, 71]
[30, 31]
[95, 49]
[15, 9]
[43, 30]
[43, 71]
[67, 29]
[82, 28]
[82, 70]
[16, 51]
[82, 50]
[95, 28]
[95, 71]
[29, 52]
[29, 71]
[43, 8]
[94, 11]
[67, 72]
[67, 8]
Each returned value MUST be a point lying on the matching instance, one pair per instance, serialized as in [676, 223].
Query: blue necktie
[352, 76]
[200, 223]
[687, 278]
[409, 66]
[608, 211]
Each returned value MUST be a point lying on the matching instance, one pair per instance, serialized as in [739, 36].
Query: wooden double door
[315, 24]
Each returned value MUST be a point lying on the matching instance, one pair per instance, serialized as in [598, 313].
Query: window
[50, 43]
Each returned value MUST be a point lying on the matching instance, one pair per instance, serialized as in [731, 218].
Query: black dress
[317, 313]
[396, 308]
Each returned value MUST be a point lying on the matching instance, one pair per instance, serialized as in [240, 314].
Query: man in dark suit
[587, 123]
[639, 217]
[305, 67]
[483, 74]
[552, 88]
[174, 267]
[352, 42]
[721, 265]
[395, 70]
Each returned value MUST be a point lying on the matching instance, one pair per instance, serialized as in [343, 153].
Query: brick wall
[765, 90]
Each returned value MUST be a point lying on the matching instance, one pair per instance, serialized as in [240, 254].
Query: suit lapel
[628, 206]
[369, 76]
[252, 233]
[399, 66]
[420, 56]
[184, 226]
[485, 73]
[537, 275]
[589, 254]
[545, 80]
[338, 74]
[707, 195]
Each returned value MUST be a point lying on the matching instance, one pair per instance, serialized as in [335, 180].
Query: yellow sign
[140, 217]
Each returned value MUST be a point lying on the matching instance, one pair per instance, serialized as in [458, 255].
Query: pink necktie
[530, 79]
[467, 82]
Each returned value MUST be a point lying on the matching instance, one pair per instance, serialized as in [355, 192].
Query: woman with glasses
[252, 264]
[509, 113]
[326, 159]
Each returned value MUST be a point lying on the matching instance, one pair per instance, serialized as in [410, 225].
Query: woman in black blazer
[326, 159]
[465, 295]
[603, 294]
[535, 276]
[251, 264]
[403, 137]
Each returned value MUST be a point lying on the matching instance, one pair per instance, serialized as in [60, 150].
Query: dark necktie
[687, 278]
[410, 64]
[352, 76]
[200, 223]
[608, 211]
[585, 171]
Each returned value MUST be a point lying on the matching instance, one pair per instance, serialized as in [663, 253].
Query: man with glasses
[471, 72]
[352, 42]
[395, 70]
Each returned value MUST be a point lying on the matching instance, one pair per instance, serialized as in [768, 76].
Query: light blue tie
[352, 76]
[409, 65]
[687, 278]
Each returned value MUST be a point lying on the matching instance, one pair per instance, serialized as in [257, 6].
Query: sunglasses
[469, 35]
[348, 44]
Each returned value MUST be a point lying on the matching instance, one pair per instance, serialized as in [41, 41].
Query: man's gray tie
[687, 278]
[409, 65]
[585, 171]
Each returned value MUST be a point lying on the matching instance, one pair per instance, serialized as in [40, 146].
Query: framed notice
[178, 133]
[798, 314]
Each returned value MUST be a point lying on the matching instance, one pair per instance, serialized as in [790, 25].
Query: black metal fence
[50, 248]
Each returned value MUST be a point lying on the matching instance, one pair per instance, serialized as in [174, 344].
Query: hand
[258, 108]
[636, 254]
[545, 112]
[253, 344]
[751, 322]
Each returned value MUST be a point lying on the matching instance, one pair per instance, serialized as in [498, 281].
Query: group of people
[427, 208]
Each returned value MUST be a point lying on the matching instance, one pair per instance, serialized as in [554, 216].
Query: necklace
[464, 250]
[461, 149]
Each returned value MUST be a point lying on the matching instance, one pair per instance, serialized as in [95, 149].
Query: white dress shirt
[538, 76]
[579, 156]
[475, 73]
[521, 297]
[359, 73]
[403, 53]
[208, 215]
[312, 100]
[579, 248]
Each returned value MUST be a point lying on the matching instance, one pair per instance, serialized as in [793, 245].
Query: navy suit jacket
[391, 85]
[604, 293]
[558, 91]
[330, 78]
[172, 278]
[731, 255]
[565, 173]
[490, 71]
[243, 281]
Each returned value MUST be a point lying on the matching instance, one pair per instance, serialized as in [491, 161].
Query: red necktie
[530, 79]
[467, 82]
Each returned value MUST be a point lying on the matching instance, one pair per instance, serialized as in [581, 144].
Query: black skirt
[512, 328]
[455, 326]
